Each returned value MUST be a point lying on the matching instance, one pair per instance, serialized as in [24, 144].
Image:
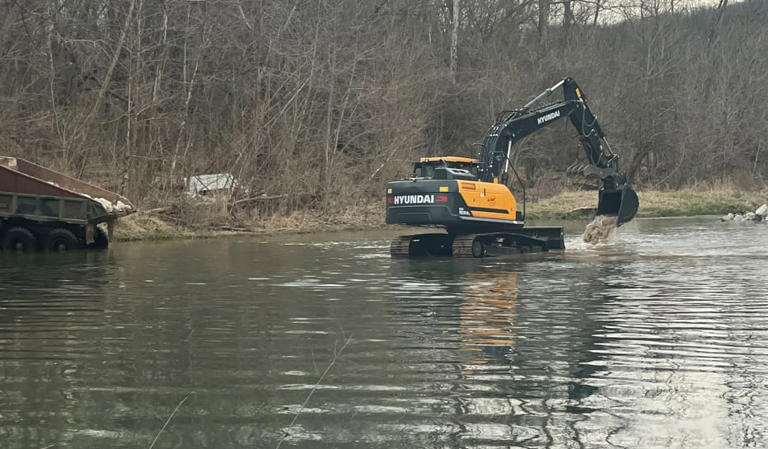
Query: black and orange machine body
[472, 199]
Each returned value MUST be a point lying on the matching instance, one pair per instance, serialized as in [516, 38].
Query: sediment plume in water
[601, 229]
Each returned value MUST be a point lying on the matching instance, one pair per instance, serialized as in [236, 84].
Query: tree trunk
[543, 22]
[455, 40]
[567, 17]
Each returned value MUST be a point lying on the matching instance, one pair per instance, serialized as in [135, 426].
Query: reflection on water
[657, 340]
[487, 315]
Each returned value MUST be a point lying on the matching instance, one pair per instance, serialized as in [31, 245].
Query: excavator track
[523, 240]
[401, 246]
[466, 245]
[421, 245]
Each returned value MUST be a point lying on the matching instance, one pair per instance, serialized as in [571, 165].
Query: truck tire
[19, 239]
[100, 240]
[61, 239]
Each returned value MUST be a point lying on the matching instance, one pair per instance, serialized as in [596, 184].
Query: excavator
[471, 199]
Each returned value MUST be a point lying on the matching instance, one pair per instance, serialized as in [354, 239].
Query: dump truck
[41, 209]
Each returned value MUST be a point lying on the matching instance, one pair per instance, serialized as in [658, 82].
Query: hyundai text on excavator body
[471, 198]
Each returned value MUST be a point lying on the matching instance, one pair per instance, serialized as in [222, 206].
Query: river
[659, 339]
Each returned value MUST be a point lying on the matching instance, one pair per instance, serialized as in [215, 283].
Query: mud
[600, 230]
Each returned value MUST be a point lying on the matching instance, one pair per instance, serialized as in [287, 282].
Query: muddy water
[600, 230]
[659, 339]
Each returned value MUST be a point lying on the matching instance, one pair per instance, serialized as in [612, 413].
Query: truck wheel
[100, 240]
[19, 239]
[61, 239]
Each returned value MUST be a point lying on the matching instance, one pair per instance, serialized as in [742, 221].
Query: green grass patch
[141, 226]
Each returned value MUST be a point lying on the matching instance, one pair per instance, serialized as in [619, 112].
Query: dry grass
[147, 226]
[561, 204]
[359, 216]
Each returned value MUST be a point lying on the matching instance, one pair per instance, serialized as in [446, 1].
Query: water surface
[659, 339]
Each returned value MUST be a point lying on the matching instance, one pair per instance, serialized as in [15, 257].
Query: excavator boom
[615, 196]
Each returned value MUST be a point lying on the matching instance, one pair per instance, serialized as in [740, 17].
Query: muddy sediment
[601, 229]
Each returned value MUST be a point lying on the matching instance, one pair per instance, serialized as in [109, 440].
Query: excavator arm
[615, 196]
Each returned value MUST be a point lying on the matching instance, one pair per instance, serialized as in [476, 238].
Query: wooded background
[319, 101]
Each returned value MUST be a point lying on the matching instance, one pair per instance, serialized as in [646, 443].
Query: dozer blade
[622, 203]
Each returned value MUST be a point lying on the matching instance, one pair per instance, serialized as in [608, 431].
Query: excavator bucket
[622, 203]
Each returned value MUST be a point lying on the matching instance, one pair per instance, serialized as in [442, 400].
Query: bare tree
[309, 101]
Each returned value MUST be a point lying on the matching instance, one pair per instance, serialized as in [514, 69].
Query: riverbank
[653, 203]
[566, 205]
[149, 226]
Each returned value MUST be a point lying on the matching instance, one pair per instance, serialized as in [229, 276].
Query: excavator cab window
[424, 170]
[470, 167]
[427, 169]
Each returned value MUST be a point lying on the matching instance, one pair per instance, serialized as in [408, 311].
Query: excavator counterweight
[472, 200]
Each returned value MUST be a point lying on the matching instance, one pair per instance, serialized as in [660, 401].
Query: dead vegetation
[313, 106]
[199, 222]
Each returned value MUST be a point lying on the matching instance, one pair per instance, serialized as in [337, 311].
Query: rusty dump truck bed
[36, 193]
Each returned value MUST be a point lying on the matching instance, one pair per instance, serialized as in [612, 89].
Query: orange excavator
[472, 201]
